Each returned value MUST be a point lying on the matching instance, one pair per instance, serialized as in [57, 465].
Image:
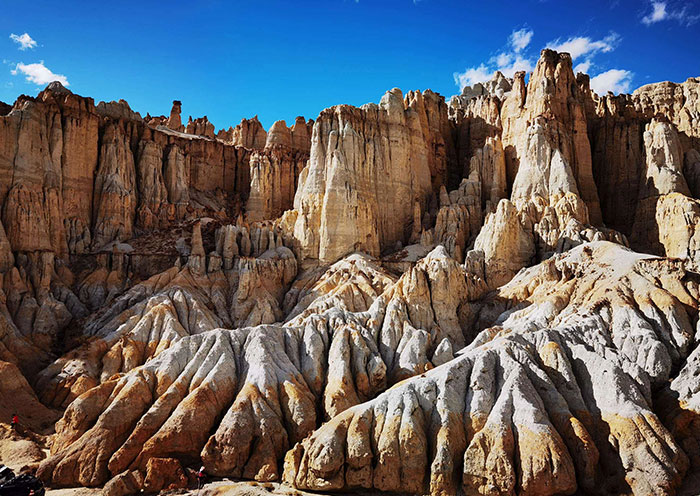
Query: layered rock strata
[414, 296]
[275, 170]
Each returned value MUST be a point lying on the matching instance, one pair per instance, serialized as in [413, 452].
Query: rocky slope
[495, 295]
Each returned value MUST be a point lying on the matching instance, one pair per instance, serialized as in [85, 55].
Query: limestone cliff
[368, 166]
[275, 170]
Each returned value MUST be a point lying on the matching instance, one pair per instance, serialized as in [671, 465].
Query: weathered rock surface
[666, 217]
[200, 127]
[544, 124]
[267, 382]
[275, 170]
[228, 288]
[368, 167]
[351, 284]
[79, 181]
[617, 126]
[558, 395]
[459, 219]
[410, 296]
[249, 134]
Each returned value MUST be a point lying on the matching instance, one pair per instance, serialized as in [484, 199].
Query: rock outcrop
[666, 217]
[545, 131]
[617, 125]
[275, 170]
[555, 394]
[200, 127]
[368, 167]
[412, 297]
[249, 134]
[174, 122]
[326, 359]
[80, 182]
[228, 287]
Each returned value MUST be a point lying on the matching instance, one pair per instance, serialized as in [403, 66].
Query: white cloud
[658, 13]
[518, 64]
[664, 11]
[615, 80]
[521, 39]
[503, 59]
[39, 74]
[508, 62]
[515, 58]
[472, 76]
[583, 66]
[24, 40]
[583, 45]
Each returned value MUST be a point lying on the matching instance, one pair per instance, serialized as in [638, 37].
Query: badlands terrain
[494, 295]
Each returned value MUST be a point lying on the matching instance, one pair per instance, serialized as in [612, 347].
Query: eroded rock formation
[554, 393]
[368, 167]
[275, 170]
[412, 296]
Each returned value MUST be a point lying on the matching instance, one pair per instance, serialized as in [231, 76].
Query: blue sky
[280, 59]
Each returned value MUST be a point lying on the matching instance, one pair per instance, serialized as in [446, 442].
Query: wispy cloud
[507, 62]
[658, 13]
[614, 80]
[39, 74]
[473, 75]
[23, 40]
[519, 57]
[666, 11]
[521, 38]
[579, 46]
[584, 66]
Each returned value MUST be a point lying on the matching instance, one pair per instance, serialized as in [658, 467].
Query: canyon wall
[495, 295]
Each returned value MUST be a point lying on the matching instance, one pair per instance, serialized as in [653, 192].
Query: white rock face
[366, 165]
[577, 348]
[544, 126]
[506, 245]
[530, 428]
[664, 161]
[666, 219]
[351, 285]
[554, 393]
[490, 163]
[543, 169]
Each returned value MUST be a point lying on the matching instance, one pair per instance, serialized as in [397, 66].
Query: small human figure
[200, 477]
[15, 422]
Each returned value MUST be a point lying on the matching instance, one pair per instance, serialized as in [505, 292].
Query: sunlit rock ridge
[495, 295]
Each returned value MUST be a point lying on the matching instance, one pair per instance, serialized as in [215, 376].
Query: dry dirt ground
[217, 488]
[21, 450]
